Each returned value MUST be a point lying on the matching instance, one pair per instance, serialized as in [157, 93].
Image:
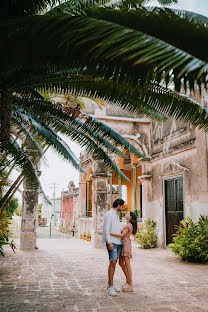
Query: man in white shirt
[113, 244]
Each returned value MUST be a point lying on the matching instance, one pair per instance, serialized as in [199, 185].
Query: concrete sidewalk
[69, 275]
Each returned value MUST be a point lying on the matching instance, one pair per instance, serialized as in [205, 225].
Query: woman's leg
[129, 271]
[123, 266]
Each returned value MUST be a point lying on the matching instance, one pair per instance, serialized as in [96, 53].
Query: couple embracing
[118, 244]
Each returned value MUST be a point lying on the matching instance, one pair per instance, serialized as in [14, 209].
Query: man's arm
[107, 226]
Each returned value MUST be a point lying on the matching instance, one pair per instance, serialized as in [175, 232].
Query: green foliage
[18, 211]
[146, 237]
[5, 233]
[190, 242]
[39, 211]
[116, 48]
[12, 206]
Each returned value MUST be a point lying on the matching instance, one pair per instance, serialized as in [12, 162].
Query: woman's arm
[124, 233]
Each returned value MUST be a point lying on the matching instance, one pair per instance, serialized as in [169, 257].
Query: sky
[197, 6]
[59, 171]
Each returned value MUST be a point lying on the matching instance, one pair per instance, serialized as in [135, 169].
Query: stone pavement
[69, 275]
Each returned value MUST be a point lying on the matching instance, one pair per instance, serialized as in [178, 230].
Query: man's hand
[110, 246]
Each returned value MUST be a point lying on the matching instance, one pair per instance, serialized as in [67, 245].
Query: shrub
[190, 242]
[146, 237]
[18, 211]
[5, 233]
[12, 206]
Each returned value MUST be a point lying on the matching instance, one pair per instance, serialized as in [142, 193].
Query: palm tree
[123, 54]
[36, 123]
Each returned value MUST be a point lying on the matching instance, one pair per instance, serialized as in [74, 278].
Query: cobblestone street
[70, 275]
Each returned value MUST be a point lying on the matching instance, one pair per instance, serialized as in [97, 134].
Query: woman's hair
[133, 221]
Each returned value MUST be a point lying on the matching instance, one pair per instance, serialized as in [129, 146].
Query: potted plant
[146, 237]
[81, 236]
[84, 236]
[89, 237]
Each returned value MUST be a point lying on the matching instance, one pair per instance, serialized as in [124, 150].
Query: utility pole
[54, 203]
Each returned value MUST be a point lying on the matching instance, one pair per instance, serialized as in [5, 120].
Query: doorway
[174, 202]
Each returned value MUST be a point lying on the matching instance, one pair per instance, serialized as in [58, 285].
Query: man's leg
[111, 271]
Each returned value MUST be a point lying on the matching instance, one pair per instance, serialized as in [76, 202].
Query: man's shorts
[115, 253]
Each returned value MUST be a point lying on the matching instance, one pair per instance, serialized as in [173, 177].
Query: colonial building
[69, 208]
[172, 184]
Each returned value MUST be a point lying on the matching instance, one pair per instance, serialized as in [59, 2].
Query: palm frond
[44, 107]
[131, 43]
[93, 147]
[152, 100]
[22, 161]
[13, 9]
[91, 86]
[192, 16]
[51, 137]
[28, 135]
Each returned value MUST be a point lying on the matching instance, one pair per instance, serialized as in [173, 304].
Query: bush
[12, 206]
[5, 233]
[190, 242]
[146, 237]
[18, 211]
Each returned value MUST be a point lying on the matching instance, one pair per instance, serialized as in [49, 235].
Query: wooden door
[173, 206]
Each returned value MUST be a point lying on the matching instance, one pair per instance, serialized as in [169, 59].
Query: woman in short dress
[126, 253]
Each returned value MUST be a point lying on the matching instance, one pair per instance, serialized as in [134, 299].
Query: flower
[187, 224]
[179, 233]
[202, 239]
[202, 218]
[180, 224]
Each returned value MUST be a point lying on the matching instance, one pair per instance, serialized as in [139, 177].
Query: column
[146, 180]
[82, 206]
[111, 191]
[99, 206]
[120, 194]
[88, 198]
[29, 218]
[135, 187]
[99, 201]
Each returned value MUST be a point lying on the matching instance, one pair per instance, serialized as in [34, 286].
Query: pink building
[69, 209]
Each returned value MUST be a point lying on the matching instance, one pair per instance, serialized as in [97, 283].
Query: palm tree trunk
[5, 117]
[11, 190]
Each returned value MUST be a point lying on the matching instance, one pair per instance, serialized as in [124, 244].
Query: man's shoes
[127, 288]
[112, 292]
[117, 289]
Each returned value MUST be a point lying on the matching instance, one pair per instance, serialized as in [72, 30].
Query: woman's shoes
[127, 288]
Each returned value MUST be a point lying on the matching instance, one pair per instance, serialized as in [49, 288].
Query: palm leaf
[130, 43]
[50, 136]
[88, 86]
[28, 135]
[87, 141]
[21, 160]
[108, 133]
[150, 100]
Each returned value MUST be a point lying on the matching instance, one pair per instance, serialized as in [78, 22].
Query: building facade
[172, 184]
[69, 208]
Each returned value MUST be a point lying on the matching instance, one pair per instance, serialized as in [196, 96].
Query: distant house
[49, 210]
[69, 208]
